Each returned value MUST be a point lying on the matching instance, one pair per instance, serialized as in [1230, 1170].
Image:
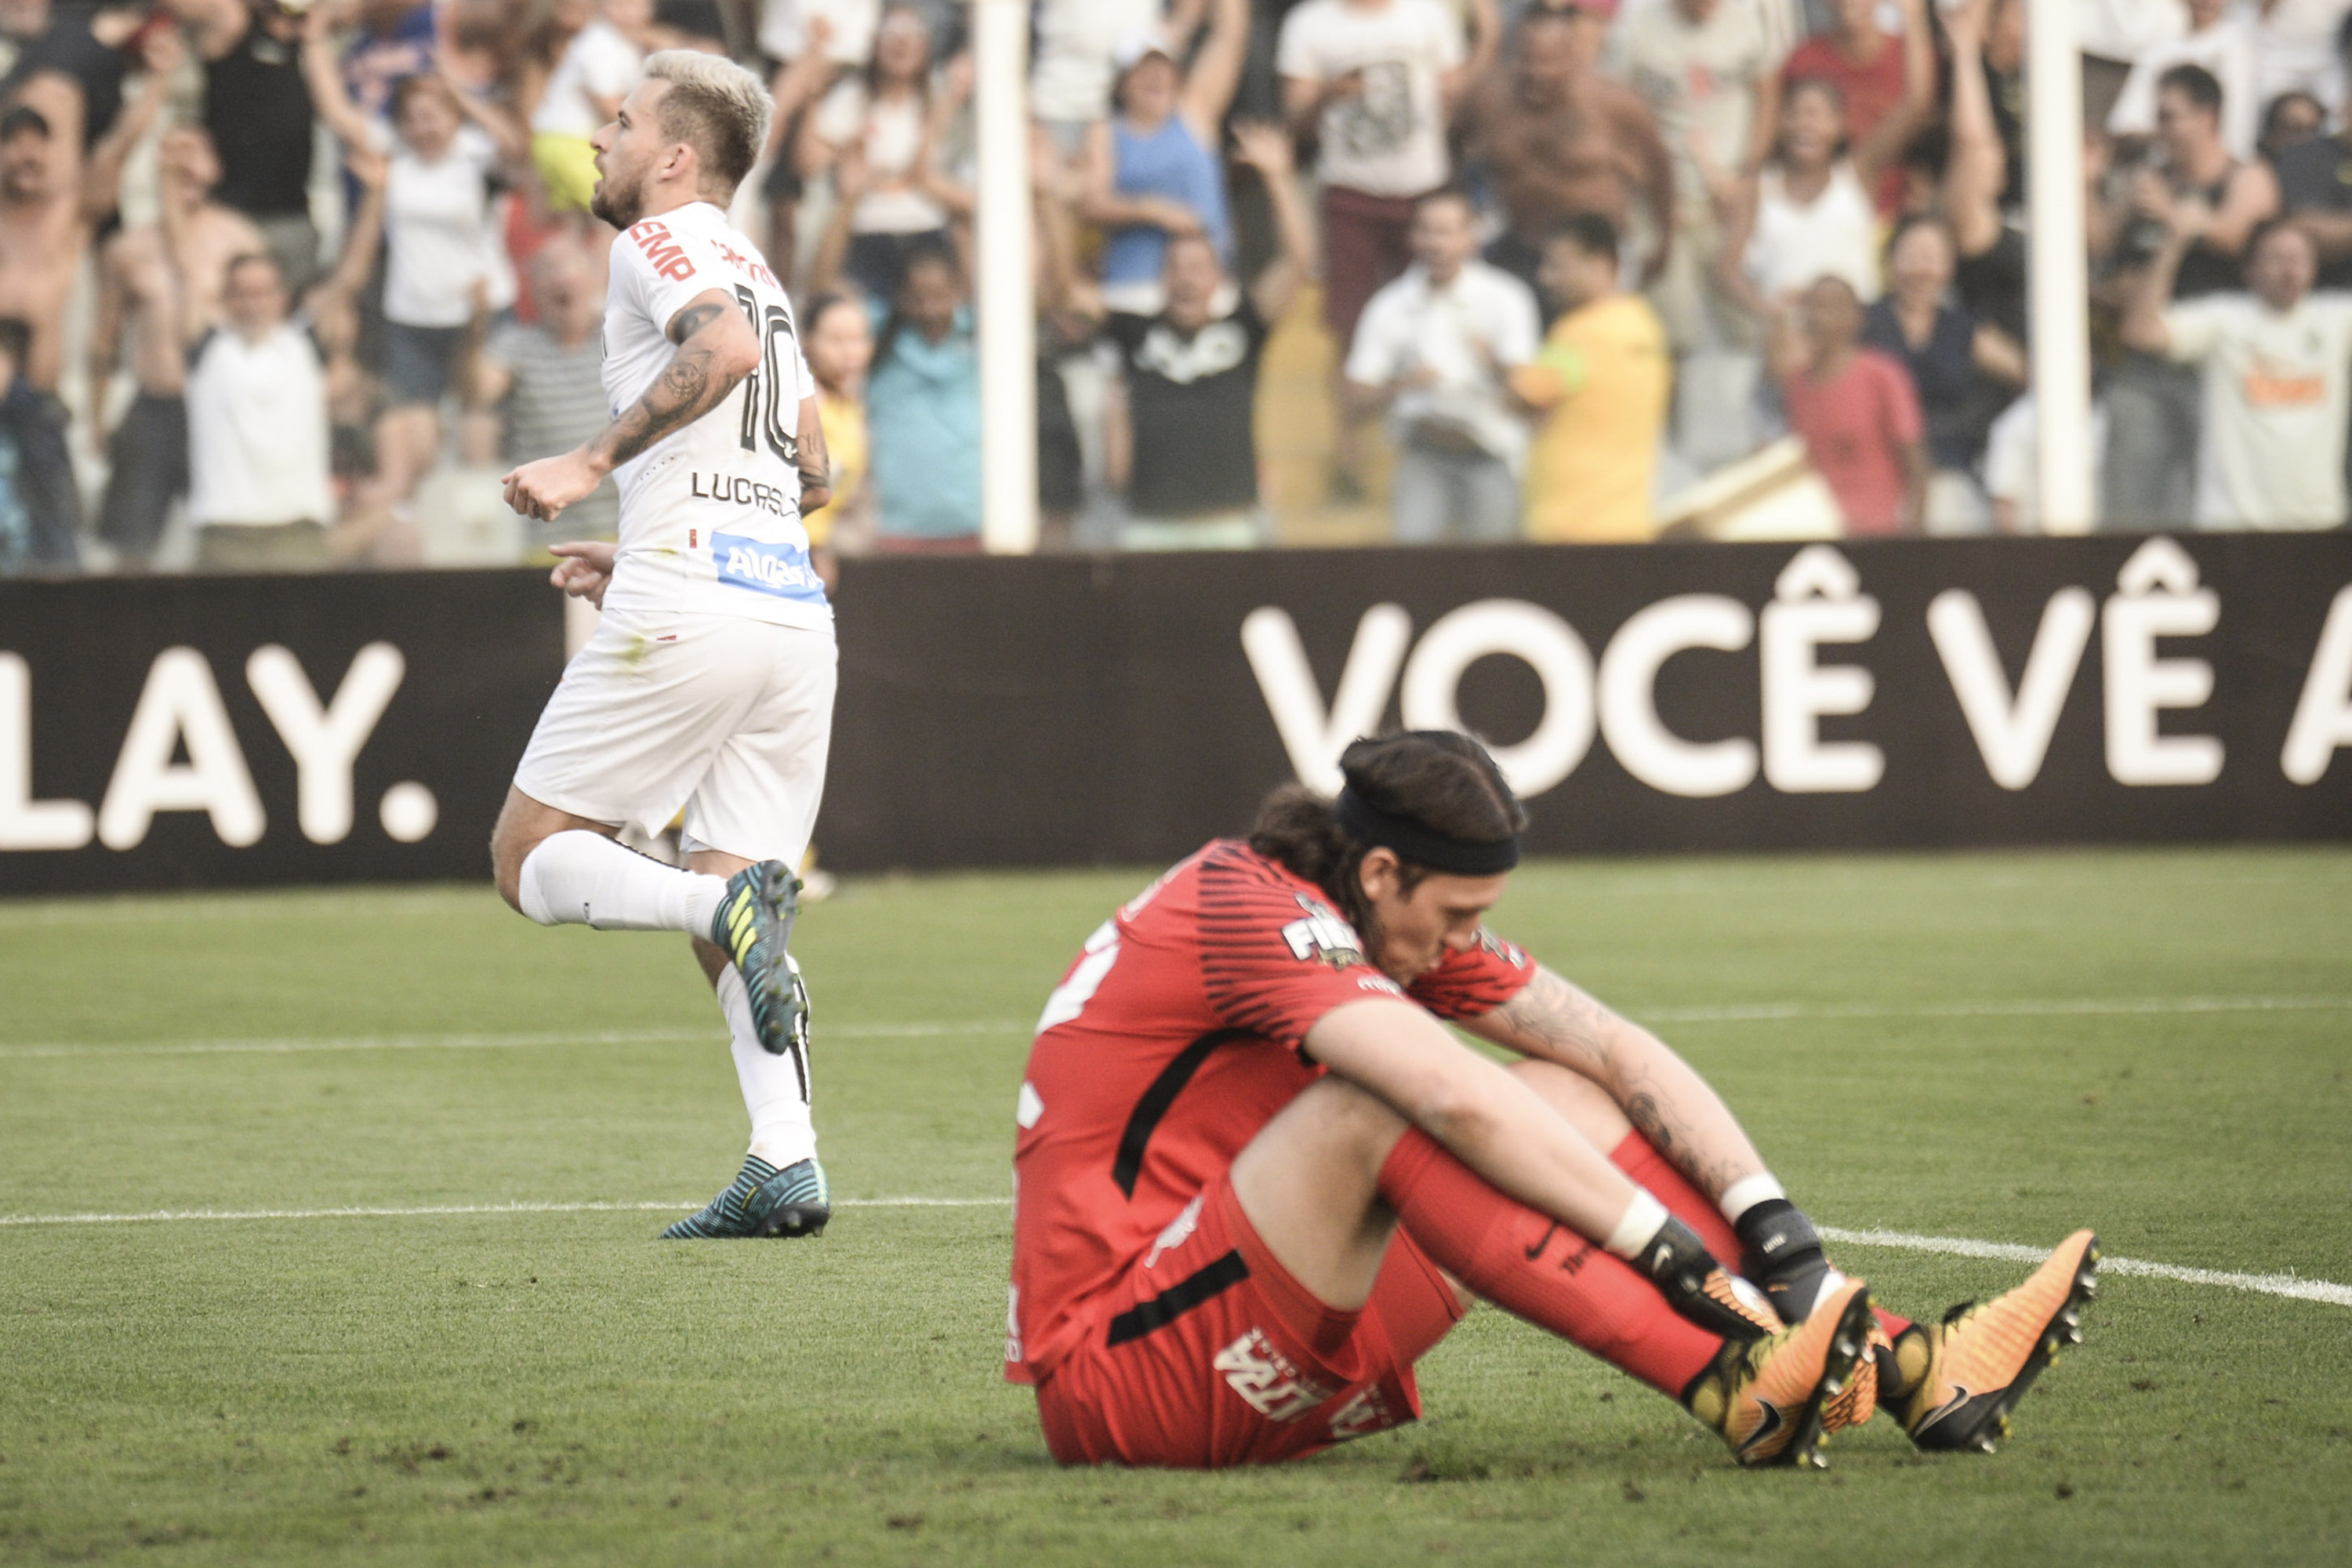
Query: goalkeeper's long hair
[1438, 778]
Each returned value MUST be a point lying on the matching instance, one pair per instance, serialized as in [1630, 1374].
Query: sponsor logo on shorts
[1268, 1381]
[1323, 937]
[1178, 1229]
[1013, 1325]
[782, 570]
[1367, 1412]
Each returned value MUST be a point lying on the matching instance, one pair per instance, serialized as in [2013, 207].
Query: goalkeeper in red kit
[1256, 1178]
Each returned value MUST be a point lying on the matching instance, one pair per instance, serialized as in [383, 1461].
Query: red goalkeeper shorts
[1209, 1353]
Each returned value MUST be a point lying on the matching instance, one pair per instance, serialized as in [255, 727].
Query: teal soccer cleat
[753, 926]
[762, 1201]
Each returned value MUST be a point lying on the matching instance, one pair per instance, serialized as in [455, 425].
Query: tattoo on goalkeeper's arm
[1553, 1020]
[688, 387]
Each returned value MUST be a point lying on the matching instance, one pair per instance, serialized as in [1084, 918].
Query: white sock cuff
[529, 892]
[1642, 1219]
[1747, 1193]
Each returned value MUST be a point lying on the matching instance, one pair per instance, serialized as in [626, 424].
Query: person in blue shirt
[1152, 170]
[40, 511]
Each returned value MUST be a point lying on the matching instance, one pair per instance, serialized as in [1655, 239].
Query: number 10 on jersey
[770, 411]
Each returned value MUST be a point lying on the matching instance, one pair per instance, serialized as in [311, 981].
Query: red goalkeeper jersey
[1174, 1037]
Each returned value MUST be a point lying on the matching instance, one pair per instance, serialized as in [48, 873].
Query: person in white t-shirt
[444, 259]
[598, 66]
[1708, 68]
[1435, 350]
[887, 118]
[2277, 365]
[2223, 43]
[1375, 82]
[709, 684]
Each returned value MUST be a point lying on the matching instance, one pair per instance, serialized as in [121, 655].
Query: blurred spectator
[1963, 369]
[1988, 268]
[1888, 84]
[443, 252]
[2218, 42]
[2295, 48]
[2002, 57]
[598, 66]
[1558, 138]
[163, 284]
[842, 31]
[2152, 403]
[1434, 350]
[1706, 68]
[1602, 384]
[90, 47]
[1853, 407]
[2311, 193]
[52, 200]
[2292, 119]
[394, 41]
[1152, 170]
[1374, 82]
[922, 394]
[259, 452]
[258, 112]
[839, 341]
[2012, 476]
[1182, 431]
[1807, 215]
[40, 511]
[546, 382]
[2276, 368]
[2113, 34]
[793, 87]
[878, 132]
[1073, 58]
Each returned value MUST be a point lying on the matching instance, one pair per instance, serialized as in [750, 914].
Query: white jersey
[710, 519]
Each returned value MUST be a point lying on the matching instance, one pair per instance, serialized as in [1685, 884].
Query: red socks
[1639, 1159]
[1543, 1272]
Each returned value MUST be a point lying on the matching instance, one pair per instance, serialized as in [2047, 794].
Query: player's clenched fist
[543, 489]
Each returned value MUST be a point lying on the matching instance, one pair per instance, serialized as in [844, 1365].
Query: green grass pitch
[1999, 1046]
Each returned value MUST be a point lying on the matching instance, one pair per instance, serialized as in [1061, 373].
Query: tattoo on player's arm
[1553, 1020]
[692, 319]
[685, 390]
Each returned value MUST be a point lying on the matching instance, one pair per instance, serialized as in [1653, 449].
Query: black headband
[1419, 845]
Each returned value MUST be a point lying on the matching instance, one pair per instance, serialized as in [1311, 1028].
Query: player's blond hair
[716, 107]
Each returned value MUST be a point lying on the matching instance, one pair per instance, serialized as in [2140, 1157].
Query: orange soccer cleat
[1859, 1403]
[1767, 1398]
[1980, 1361]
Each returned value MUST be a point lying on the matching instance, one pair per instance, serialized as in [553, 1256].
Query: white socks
[579, 878]
[1747, 1193]
[1638, 1227]
[781, 1133]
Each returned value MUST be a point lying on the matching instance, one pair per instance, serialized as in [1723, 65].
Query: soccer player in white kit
[709, 684]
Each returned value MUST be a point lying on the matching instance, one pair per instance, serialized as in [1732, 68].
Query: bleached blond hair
[716, 107]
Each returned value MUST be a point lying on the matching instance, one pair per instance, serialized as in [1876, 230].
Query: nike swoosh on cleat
[1958, 1398]
[1773, 1422]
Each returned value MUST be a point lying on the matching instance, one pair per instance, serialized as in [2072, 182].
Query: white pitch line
[2292, 1286]
[1732, 1012]
[159, 1217]
[2289, 1285]
[2031, 1007]
[300, 1045]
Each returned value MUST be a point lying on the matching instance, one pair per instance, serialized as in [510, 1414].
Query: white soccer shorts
[729, 719]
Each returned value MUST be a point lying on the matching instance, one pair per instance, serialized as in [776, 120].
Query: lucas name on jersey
[734, 489]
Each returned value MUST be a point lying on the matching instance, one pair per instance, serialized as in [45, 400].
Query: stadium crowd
[288, 285]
